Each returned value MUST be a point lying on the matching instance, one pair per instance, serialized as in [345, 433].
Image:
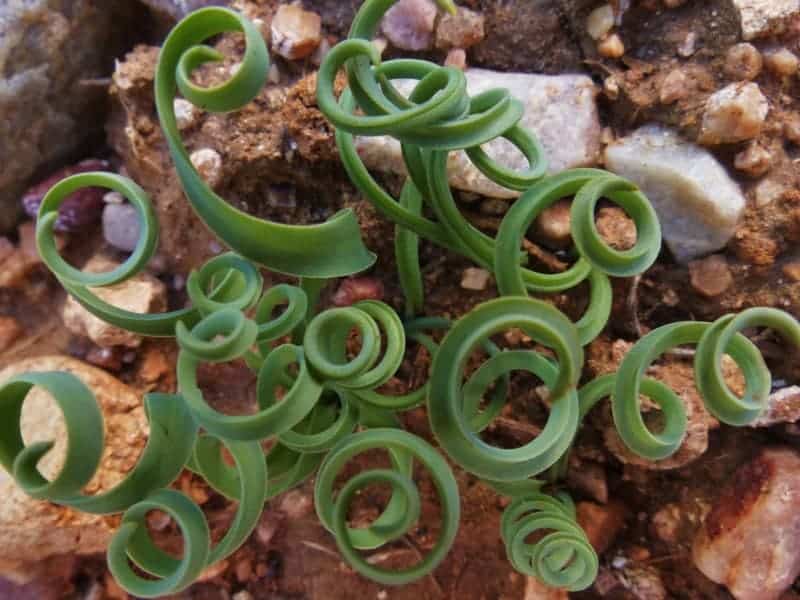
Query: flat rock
[46, 48]
[556, 108]
[33, 530]
[141, 294]
[762, 18]
[698, 203]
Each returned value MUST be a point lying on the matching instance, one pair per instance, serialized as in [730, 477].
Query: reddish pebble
[9, 332]
[78, 210]
[357, 289]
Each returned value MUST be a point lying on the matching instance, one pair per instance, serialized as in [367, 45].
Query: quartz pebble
[475, 280]
[698, 203]
[600, 22]
[556, 108]
[461, 30]
[755, 160]
[141, 294]
[296, 33]
[734, 114]
[710, 277]
[782, 62]
[783, 406]
[750, 541]
[409, 24]
[185, 113]
[553, 226]
[761, 18]
[611, 46]
[743, 62]
[121, 227]
[208, 163]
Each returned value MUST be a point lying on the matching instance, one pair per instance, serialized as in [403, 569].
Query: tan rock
[475, 279]
[461, 30]
[142, 294]
[710, 276]
[674, 87]
[743, 62]
[554, 225]
[600, 22]
[761, 18]
[33, 530]
[611, 46]
[781, 61]
[456, 58]
[734, 114]
[755, 160]
[601, 523]
[616, 228]
[296, 33]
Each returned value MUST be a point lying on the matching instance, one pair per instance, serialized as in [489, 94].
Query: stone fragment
[698, 203]
[761, 18]
[475, 279]
[710, 276]
[755, 160]
[121, 226]
[356, 289]
[601, 523]
[600, 22]
[750, 541]
[556, 108]
[792, 270]
[208, 163]
[34, 530]
[783, 406]
[768, 191]
[553, 226]
[791, 127]
[781, 61]
[296, 33]
[616, 228]
[141, 294]
[462, 30]
[409, 24]
[743, 62]
[47, 49]
[734, 114]
[611, 46]
[185, 113]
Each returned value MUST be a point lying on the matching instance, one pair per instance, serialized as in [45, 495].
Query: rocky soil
[697, 101]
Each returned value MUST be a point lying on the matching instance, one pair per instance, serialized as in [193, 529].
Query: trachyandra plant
[320, 403]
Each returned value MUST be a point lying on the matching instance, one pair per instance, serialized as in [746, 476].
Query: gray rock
[46, 48]
[557, 108]
[761, 18]
[121, 226]
[698, 203]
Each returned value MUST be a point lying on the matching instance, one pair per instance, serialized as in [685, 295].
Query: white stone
[475, 279]
[140, 294]
[734, 114]
[559, 109]
[121, 226]
[698, 203]
[600, 21]
[208, 163]
[760, 18]
[185, 113]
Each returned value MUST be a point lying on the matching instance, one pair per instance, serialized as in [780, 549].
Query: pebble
[710, 277]
[536, 590]
[600, 22]
[142, 294]
[109, 359]
[761, 18]
[760, 504]
[208, 163]
[80, 209]
[601, 523]
[792, 270]
[743, 62]
[674, 87]
[456, 58]
[611, 46]
[356, 289]
[10, 331]
[244, 570]
[296, 504]
[554, 225]
[475, 279]
[185, 113]
[557, 107]
[243, 595]
[768, 191]
[755, 160]
[461, 30]
[698, 203]
[735, 113]
[616, 228]
[121, 226]
[296, 33]
[409, 24]
[782, 62]
[783, 406]
[688, 46]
